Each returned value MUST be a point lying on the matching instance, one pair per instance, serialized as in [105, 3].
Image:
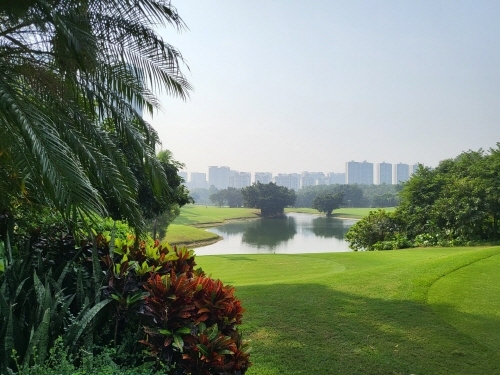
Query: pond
[292, 234]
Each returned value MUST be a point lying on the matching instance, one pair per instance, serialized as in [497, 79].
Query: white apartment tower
[263, 177]
[359, 173]
[383, 173]
[401, 173]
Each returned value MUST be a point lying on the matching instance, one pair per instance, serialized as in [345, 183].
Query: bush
[378, 227]
[134, 296]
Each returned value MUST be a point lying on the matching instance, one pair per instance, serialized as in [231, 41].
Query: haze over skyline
[289, 86]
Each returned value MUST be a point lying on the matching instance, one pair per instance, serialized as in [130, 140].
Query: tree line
[458, 202]
[377, 196]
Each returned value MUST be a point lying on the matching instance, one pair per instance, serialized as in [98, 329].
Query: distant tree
[270, 198]
[353, 194]
[327, 202]
[234, 197]
[218, 198]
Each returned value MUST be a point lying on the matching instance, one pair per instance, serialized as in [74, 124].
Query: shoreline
[202, 243]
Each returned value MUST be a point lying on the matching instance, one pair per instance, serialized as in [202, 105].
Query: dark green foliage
[270, 198]
[378, 226]
[327, 202]
[103, 293]
[65, 66]
[456, 203]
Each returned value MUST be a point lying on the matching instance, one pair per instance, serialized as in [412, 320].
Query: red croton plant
[189, 320]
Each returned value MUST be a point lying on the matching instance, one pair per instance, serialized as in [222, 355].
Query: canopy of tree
[327, 202]
[270, 198]
[457, 202]
[75, 77]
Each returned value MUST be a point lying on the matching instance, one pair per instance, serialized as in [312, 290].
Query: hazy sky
[290, 86]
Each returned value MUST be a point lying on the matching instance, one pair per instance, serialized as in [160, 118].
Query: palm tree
[75, 76]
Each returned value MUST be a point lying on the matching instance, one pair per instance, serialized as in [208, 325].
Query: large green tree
[327, 202]
[65, 67]
[270, 198]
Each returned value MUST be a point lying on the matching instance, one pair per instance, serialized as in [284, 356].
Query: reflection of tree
[231, 228]
[270, 232]
[329, 227]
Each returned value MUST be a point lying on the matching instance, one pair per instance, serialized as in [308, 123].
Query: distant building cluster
[355, 173]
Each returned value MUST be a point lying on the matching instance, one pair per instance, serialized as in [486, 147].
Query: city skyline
[306, 86]
[355, 173]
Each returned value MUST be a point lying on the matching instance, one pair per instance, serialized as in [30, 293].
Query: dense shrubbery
[133, 297]
[457, 203]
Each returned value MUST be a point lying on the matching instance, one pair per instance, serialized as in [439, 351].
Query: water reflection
[293, 234]
[329, 227]
[270, 232]
[232, 228]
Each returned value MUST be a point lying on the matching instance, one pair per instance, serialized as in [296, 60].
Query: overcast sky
[289, 86]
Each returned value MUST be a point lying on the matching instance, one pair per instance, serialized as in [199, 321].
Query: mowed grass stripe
[469, 299]
[370, 318]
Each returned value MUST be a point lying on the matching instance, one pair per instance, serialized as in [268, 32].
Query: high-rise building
[198, 181]
[401, 173]
[239, 180]
[290, 181]
[413, 168]
[218, 177]
[184, 175]
[359, 173]
[383, 173]
[263, 177]
[336, 178]
[312, 179]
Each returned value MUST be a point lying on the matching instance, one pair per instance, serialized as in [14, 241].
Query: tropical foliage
[65, 68]
[111, 293]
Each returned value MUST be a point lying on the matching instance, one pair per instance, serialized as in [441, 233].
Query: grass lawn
[352, 213]
[186, 235]
[414, 311]
[203, 215]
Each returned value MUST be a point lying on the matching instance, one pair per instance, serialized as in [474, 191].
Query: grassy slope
[183, 230]
[367, 312]
[354, 213]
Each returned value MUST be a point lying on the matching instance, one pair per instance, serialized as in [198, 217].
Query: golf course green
[414, 311]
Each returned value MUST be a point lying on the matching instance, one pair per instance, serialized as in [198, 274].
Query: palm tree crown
[75, 77]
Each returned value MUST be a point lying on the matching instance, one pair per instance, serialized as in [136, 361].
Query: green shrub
[378, 227]
[106, 292]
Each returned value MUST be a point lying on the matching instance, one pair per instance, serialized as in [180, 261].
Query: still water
[293, 234]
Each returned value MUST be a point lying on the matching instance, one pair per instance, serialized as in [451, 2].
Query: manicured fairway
[187, 235]
[201, 215]
[351, 213]
[368, 312]
[469, 299]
